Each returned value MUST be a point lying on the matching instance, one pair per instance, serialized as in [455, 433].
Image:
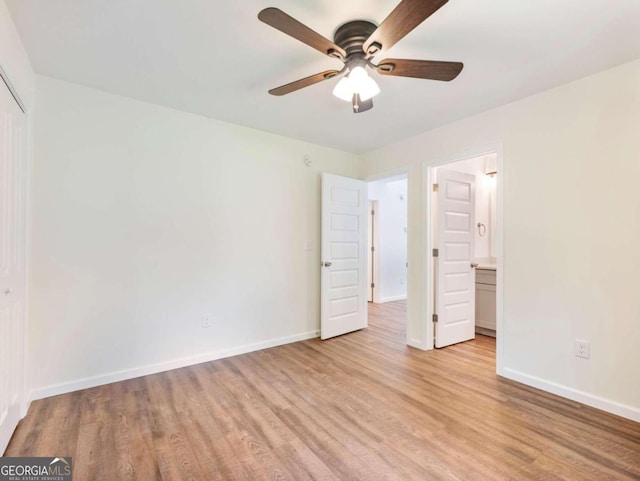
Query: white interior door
[12, 257]
[343, 256]
[455, 276]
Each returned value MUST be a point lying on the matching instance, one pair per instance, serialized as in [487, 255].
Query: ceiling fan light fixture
[362, 84]
[369, 89]
[357, 82]
[343, 89]
[355, 43]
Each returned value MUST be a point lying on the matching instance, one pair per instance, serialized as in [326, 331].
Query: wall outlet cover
[583, 349]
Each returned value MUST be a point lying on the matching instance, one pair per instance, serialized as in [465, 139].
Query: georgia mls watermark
[35, 469]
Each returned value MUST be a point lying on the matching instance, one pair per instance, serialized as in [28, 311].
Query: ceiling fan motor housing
[351, 37]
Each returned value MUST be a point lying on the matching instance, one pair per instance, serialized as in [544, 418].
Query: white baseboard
[608, 405]
[122, 375]
[392, 298]
[418, 344]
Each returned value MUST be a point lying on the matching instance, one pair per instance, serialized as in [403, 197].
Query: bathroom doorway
[465, 244]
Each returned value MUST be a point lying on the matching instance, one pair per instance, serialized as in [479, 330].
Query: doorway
[465, 243]
[387, 245]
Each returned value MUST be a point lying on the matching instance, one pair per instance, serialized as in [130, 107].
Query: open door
[455, 274]
[343, 303]
[12, 262]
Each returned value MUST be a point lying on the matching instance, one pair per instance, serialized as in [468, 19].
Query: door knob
[7, 292]
[474, 264]
[326, 264]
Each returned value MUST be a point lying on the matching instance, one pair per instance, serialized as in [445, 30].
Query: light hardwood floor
[362, 406]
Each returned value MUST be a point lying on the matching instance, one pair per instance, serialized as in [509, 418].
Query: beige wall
[571, 232]
[147, 219]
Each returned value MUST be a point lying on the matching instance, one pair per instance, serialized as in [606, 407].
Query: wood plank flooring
[359, 407]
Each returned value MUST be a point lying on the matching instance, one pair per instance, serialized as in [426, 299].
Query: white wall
[391, 223]
[147, 219]
[485, 192]
[572, 230]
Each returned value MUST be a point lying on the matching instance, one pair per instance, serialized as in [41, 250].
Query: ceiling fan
[356, 43]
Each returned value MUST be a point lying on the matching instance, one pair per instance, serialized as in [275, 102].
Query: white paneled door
[343, 256]
[455, 275]
[12, 261]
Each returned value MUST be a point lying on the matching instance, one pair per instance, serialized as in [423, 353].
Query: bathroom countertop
[486, 263]
[487, 267]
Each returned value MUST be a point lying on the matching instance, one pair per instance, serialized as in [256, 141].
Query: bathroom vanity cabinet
[486, 299]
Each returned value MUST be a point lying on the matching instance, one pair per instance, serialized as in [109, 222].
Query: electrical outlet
[206, 322]
[583, 349]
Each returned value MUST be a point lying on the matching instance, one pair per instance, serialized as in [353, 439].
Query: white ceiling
[215, 58]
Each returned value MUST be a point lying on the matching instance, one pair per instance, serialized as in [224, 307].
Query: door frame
[373, 264]
[428, 176]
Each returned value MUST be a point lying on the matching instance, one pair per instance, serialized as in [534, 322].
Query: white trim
[500, 320]
[376, 253]
[467, 154]
[426, 342]
[417, 343]
[131, 373]
[30, 133]
[429, 271]
[428, 167]
[607, 405]
[392, 298]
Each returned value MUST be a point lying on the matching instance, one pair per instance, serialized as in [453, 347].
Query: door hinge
[435, 318]
[436, 187]
[372, 285]
[435, 253]
[373, 248]
[373, 212]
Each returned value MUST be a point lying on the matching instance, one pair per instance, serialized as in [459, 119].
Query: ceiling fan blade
[305, 82]
[289, 25]
[404, 18]
[426, 69]
[360, 106]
